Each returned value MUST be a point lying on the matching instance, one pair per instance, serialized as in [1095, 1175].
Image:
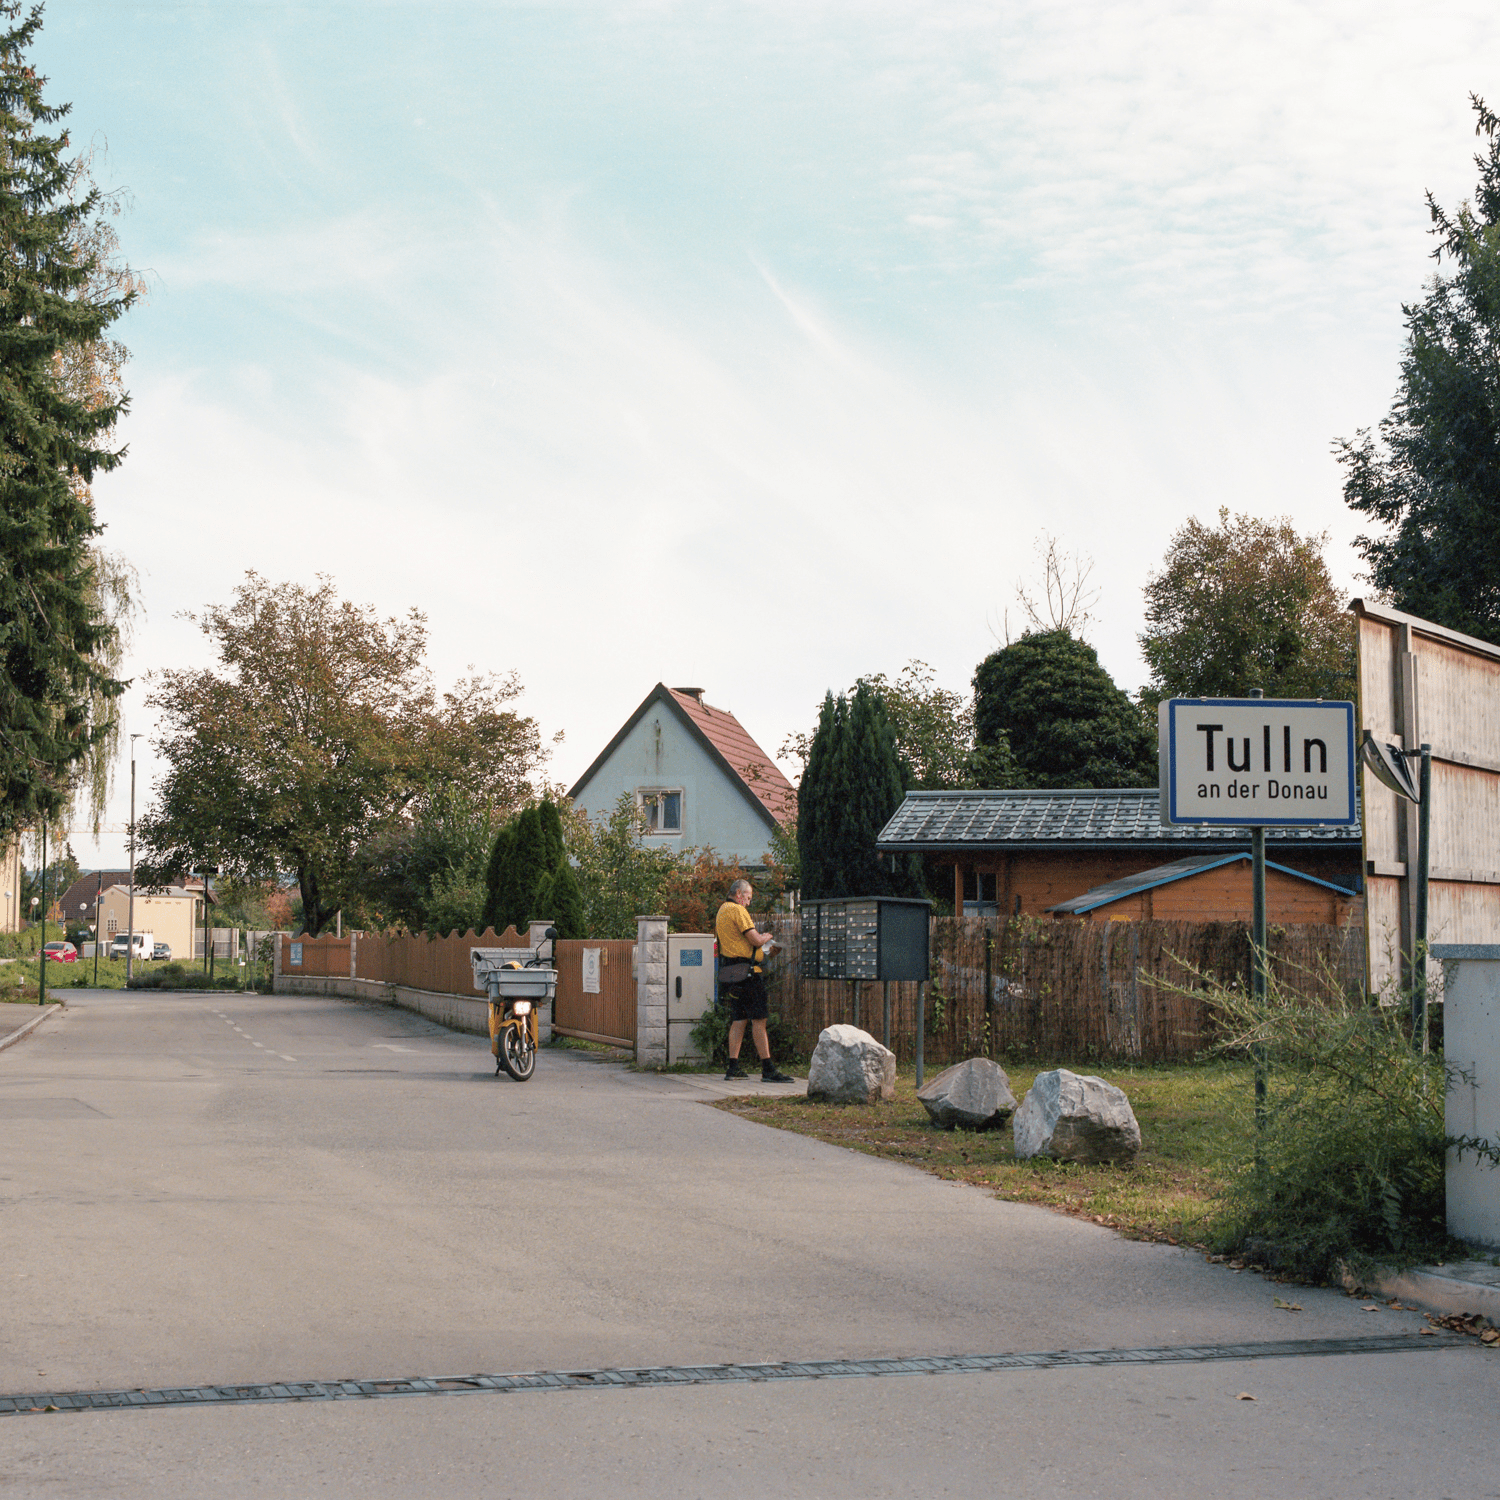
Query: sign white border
[1167, 731]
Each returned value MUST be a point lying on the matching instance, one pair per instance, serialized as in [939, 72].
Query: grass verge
[1191, 1139]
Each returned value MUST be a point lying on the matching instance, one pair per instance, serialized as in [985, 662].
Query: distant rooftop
[973, 821]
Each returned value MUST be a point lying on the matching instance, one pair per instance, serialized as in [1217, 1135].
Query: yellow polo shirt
[730, 927]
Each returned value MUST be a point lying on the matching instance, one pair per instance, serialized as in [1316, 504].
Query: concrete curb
[1431, 1289]
[24, 1031]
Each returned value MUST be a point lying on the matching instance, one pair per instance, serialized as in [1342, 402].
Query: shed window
[661, 811]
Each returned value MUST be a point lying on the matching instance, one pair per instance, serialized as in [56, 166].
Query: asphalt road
[216, 1189]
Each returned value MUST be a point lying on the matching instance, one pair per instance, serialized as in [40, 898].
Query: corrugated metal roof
[1181, 869]
[973, 820]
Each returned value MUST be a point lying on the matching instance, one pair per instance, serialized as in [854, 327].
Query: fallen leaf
[1430, 1332]
[1286, 1306]
[1490, 1336]
[1369, 1307]
[1244, 1396]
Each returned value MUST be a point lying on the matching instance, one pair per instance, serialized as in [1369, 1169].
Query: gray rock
[975, 1094]
[1073, 1117]
[850, 1067]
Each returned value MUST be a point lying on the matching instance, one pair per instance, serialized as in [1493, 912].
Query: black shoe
[770, 1074]
[734, 1069]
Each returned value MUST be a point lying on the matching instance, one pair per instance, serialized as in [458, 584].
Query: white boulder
[850, 1067]
[1073, 1117]
[974, 1093]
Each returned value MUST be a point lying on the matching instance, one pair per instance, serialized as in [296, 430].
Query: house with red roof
[696, 775]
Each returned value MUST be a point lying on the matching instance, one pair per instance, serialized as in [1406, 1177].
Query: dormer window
[661, 810]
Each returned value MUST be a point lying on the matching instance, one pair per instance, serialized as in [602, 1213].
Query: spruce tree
[497, 877]
[870, 780]
[567, 903]
[52, 629]
[818, 803]
[552, 833]
[528, 864]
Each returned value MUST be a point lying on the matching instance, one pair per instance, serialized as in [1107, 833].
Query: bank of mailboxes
[690, 990]
[866, 937]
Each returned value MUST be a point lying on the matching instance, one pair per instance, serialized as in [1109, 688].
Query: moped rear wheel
[517, 1052]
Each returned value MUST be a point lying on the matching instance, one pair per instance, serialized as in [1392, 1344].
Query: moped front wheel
[518, 1052]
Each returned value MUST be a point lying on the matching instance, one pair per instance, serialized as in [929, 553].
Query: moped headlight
[521, 1008]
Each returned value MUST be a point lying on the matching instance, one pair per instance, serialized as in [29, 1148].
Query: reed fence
[1044, 988]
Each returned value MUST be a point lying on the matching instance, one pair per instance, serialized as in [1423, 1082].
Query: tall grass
[1349, 1164]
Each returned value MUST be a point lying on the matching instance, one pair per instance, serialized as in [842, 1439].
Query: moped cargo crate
[492, 967]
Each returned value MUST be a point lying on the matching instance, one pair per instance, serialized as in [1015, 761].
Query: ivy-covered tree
[1249, 604]
[54, 628]
[1065, 721]
[1432, 478]
[818, 814]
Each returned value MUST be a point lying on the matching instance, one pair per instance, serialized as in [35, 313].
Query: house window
[661, 811]
[113, 925]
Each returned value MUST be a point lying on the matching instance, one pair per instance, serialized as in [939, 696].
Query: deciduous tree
[1247, 604]
[1432, 477]
[318, 728]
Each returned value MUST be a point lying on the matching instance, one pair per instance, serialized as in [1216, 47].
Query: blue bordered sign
[1271, 762]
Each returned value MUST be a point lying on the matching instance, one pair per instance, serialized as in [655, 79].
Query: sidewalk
[17, 1021]
[1471, 1286]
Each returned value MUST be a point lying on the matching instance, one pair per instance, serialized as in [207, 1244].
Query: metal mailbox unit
[880, 938]
[866, 937]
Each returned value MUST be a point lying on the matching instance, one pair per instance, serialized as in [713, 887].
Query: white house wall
[660, 752]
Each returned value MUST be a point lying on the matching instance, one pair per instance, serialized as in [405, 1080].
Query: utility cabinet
[866, 937]
[690, 990]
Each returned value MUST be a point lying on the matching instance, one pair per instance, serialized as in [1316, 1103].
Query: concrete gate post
[1471, 1045]
[651, 991]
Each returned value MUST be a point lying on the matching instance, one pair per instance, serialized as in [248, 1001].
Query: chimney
[696, 694]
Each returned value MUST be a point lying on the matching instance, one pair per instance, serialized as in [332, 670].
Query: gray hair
[740, 885]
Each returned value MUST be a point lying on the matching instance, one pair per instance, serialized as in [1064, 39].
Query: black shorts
[747, 1000]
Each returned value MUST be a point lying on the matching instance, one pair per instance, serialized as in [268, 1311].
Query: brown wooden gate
[608, 1016]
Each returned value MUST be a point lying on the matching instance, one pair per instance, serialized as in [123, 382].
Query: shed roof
[1181, 869]
[969, 822]
[728, 743]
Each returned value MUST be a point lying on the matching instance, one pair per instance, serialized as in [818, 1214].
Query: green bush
[1349, 1165]
[175, 976]
[711, 1037]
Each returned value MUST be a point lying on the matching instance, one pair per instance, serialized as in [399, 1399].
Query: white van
[136, 944]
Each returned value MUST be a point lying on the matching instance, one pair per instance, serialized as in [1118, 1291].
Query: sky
[743, 346]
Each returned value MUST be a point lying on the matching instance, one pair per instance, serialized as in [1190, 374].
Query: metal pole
[885, 998]
[921, 1027]
[1258, 958]
[854, 985]
[41, 983]
[1419, 938]
[98, 902]
[130, 909]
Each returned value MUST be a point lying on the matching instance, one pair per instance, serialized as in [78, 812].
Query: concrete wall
[1471, 1047]
[457, 1012]
[661, 752]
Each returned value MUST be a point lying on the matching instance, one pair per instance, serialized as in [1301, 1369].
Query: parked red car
[63, 953]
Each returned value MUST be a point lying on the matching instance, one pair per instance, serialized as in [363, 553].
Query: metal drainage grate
[682, 1375]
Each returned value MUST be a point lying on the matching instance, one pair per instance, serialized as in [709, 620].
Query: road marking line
[285, 1058]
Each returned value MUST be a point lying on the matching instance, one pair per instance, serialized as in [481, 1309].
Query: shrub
[1349, 1166]
[711, 1037]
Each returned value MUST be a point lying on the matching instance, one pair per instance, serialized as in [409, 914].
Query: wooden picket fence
[1050, 989]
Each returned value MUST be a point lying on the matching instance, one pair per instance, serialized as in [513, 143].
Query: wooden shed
[1211, 888]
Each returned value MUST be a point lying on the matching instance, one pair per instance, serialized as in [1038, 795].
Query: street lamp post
[130, 907]
[41, 982]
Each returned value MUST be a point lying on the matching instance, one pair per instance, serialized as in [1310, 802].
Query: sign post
[1257, 762]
